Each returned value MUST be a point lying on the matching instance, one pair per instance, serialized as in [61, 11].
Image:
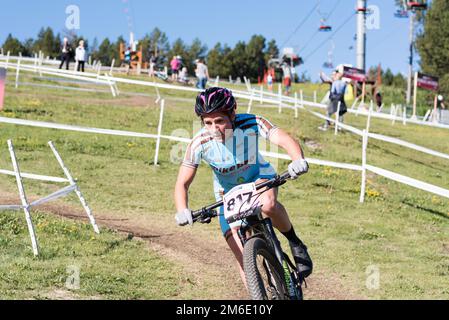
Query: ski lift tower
[361, 34]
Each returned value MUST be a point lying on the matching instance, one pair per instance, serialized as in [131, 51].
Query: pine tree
[433, 43]
[13, 45]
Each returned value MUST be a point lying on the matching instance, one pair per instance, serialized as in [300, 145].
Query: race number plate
[239, 199]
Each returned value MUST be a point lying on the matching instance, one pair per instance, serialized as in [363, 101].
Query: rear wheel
[264, 274]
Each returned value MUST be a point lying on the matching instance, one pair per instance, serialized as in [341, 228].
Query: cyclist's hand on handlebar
[184, 217]
[297, 168]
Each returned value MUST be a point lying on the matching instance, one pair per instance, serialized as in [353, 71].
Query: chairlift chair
[417, 5]
[401, 14]
[325, 28]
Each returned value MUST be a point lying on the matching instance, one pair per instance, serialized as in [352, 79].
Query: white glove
[184, 217]
[297, 168]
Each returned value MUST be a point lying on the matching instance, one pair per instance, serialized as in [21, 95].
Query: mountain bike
[269, 272]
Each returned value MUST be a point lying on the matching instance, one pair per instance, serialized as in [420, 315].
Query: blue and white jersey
[236, 160]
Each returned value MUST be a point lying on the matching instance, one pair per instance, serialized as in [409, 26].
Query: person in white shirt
[202, 73]
[80, 56]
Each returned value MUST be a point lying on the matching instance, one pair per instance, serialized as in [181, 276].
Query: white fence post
[35, 62]
[404, 115]
[250, 103]
[159, 131]
[280, 97]
[368, 120]
[217, 79]
[112, 66]
[18, 71]
[337, 118]
[110, 84]
[314, 96]
[77, 190]
[24, 200]
[427, 115]
[364, 147]
[7, 60]
[98, 70]
[296, 104]
[158, 95]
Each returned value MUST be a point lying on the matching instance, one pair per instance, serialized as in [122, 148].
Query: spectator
[287, 76]
[440, 106]
[336, 96]
[175, 65]
[128, 59]
[202, 73]
[66, 52]
[80, 56]
[182, 77]
[152, 61]
[270, 82]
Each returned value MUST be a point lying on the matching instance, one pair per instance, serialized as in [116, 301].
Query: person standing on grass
[80, 56]
[175, 65]
[336, 96]
[287, 76]
[202, 73]
[66, 53]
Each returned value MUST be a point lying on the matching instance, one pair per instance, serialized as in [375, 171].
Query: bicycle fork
[291, 285]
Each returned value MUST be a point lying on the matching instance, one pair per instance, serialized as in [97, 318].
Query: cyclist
[240, 163]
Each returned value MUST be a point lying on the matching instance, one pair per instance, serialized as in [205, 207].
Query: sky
[228, 22]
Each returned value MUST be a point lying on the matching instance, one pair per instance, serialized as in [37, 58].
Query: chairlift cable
[316, 32]
[300, 25]
[330, 37]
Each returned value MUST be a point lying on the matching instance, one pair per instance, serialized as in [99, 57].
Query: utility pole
[410, 61]
[361, 34]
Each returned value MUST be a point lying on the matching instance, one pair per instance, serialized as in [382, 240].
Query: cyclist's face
[218, 124]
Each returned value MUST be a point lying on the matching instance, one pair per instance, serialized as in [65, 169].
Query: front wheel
[264, 275]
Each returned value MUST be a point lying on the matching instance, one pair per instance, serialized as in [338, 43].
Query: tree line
[245, 59]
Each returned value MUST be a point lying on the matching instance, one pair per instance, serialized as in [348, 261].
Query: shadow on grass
[432, 211]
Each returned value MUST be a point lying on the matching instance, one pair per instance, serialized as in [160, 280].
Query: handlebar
[208, 211]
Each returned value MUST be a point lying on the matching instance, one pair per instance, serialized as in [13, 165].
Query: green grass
[111, 266]
[399, 229]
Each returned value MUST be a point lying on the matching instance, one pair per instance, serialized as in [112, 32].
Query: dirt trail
[209, 263]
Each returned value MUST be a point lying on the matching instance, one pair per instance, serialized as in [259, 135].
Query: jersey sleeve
[194, 152]
[265, 127]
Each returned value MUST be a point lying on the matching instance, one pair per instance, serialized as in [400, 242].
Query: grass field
[399, 230]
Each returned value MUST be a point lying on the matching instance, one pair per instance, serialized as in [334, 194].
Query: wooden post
[18, 71]
[363, 93]
[7, 60]
[24, 200]
[415, 95]
[159, 131]
[280, 97]
[435, 112]
[296, 104]
[364, 147]
[337, 117]
[77, 191]
[404, 115]
[112, 66]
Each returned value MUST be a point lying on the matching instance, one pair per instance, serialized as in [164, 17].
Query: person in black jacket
[66, 53]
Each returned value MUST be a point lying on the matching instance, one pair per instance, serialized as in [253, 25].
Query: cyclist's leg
[233, 240]
[274, 209]
[231, 236]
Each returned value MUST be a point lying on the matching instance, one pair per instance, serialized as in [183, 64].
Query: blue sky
[226, 22]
